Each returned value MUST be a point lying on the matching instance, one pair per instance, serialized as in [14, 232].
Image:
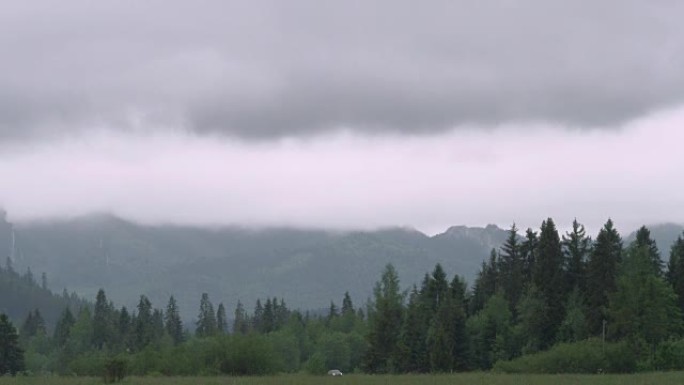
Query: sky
[343, 114]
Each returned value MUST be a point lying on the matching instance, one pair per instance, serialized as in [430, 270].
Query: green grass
[672, 378]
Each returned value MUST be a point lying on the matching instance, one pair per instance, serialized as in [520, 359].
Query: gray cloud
[272, 68]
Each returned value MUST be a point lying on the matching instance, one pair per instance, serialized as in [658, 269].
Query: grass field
[675, 378]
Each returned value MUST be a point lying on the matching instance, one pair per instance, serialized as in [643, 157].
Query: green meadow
[663, 378]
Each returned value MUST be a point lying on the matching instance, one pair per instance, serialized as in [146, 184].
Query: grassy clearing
[673, 378]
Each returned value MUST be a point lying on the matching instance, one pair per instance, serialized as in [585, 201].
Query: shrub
[669, 355]
[589, 356]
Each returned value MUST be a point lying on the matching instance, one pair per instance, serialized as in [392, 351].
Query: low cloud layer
[347, 181]
[273, 69]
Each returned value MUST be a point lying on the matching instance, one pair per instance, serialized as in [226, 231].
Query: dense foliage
[543, 303]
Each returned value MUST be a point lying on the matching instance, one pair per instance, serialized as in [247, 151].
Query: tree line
[540, 295]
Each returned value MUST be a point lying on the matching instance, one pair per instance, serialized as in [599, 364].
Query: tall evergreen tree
[258, 318]
[63, 327]
[485, 284]
[644, 305]
[413, 336]
[144, 328]
[174, 324]
[675, 270]
[206, 319]
[240, 321]
[529, 249]
[602, 270]
[576, 246]
[511, 269]
[221, 321]
[385, 323]
[644, 240]
[347, 306]
[548, 277]
[102, 322]
[11, 355]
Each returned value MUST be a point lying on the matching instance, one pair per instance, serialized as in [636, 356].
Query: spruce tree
[485, 284]
[576, 246]
[63, 327]
[548, 277]
[221, 321]
[644, 240]
[643, 306]
[206, 319]
[602, 270]
[258, 318]
[412, 348]
[347, 306]
[11, 355]
[102, 321]
[144, 328]
[174, 324]
[385, 323]
[511, 269]
[675, 270]
[529, 249]
[240, 321]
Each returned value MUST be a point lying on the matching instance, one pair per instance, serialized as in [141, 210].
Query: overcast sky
[343, 114]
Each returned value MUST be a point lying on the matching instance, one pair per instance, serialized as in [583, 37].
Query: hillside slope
[308, 268]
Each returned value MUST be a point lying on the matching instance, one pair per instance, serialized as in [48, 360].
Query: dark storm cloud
[271, 69]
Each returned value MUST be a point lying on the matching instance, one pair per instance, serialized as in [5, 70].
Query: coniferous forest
[544, 302]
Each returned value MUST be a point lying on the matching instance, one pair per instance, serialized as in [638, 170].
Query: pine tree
[124, 327]
[385, 323]
[102, 321]
[258, 318]
[643, 239]
[347, 306]
[602, 270]
[511, 269]
[576, 246]
[282, 314]
[529, 250]
[157, 325]
[268, 319]
[241, 322]
[485, 284]
[221, 321]
[174, 324]
[643, 306]
[548, 277]
[144, 329]
[206, 319]
[63, 327]
[412, 341]
[675, 270]
[332, 312]
[11, 355]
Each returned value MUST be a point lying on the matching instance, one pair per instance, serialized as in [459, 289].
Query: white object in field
[334, 373]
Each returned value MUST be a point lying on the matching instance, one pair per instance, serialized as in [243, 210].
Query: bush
[316, 364]
[669, 355]
[580, 357]
[248, 355]
[115, 369]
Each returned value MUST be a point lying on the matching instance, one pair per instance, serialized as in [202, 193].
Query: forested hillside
[543, 302]
[309, 267]
[23, 293]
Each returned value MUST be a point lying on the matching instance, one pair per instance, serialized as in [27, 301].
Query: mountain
[308, 268]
